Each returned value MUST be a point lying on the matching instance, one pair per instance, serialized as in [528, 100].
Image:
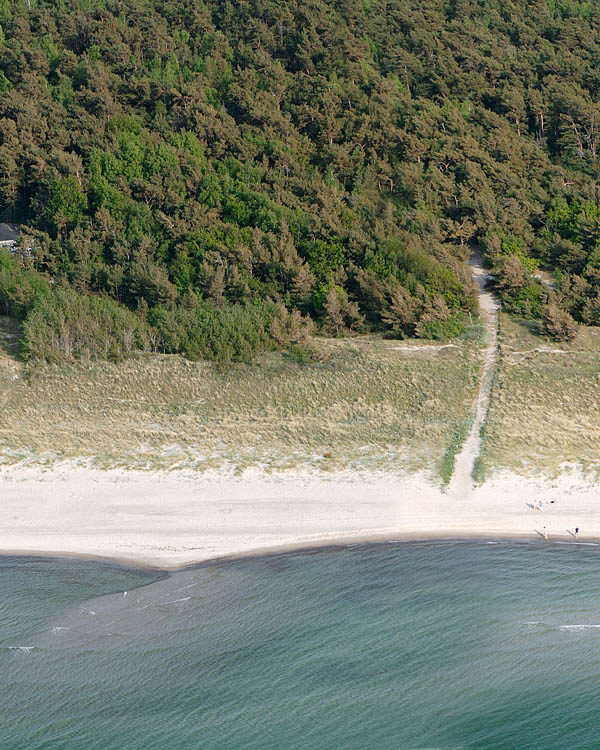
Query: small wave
[21, 649]
[89, 611]
[533, 622]
[174, 601]
[59, 629]
[579, 627]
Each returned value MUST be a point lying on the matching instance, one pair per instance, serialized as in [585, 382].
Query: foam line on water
[579, 627]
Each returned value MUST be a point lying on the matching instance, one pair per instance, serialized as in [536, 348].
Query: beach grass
[545, 409]
[457, 439]
[363, 402]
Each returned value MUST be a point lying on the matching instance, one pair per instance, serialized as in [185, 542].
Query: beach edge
[167, 521]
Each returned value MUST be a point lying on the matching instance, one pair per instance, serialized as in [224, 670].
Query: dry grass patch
[545, 409]
[362, 404]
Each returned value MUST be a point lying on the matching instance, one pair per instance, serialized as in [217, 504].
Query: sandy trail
[462, 480]
[170, 519]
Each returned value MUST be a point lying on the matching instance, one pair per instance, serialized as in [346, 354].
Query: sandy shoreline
[170, 520]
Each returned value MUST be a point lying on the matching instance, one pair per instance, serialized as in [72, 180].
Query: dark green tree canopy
[335, 157]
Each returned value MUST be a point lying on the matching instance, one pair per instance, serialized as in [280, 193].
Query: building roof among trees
[9, 233]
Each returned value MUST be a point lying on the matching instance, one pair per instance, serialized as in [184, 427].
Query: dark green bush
[64, 325]
[526, 302]
[19, 287]
[231, 333]
[442, 330]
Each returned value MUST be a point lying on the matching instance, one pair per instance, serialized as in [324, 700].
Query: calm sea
[404, 646]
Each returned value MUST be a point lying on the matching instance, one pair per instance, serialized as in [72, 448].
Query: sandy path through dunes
[170, 519]
[462, 479]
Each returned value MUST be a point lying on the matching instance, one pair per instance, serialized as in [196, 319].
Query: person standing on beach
[545, 534]
[576, 532]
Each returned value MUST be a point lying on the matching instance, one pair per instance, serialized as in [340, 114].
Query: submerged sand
[173, 519]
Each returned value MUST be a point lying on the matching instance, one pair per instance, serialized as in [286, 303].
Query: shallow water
[412, 645]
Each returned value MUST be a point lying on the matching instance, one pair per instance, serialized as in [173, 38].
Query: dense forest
[220, 178]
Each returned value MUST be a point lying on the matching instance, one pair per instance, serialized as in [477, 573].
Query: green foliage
[236, 333]
[65, 325]
[66, 203]
[19, 287]
[498, 244]
[326, 257]
[443, 330]
[570, 8]
[458, 436]
[558, 324]
[249, 152]
[520, 292]
[570, 243]
[526, 302]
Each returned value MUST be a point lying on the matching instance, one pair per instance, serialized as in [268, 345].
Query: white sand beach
[172, 519]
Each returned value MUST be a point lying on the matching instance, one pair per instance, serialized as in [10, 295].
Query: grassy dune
[364, 402]
[545, 408]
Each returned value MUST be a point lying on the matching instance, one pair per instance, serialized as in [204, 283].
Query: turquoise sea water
[405, 646]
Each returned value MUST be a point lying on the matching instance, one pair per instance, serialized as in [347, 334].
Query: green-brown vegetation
[336, 158]
[545, 410]
[359, 402]
[219, 181]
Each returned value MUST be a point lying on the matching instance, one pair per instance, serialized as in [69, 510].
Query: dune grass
[545, 408]
[363, 402]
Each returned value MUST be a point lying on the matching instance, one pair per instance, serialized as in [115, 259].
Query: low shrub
[558, 324]
[19, 287]
[64, 325]
[231, 333]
